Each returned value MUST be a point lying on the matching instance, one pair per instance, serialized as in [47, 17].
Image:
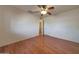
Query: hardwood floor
[42, 45]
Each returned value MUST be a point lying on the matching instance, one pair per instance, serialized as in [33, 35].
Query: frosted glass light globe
[43, 12]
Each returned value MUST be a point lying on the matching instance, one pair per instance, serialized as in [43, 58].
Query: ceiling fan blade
[51, 8]
[39, 6]
[43, 6]
[49, 13]
[33, 11]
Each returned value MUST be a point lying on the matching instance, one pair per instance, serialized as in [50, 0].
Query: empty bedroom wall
[64, 25]
[16, 25]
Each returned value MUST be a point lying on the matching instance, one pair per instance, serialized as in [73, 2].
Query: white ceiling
[64, 8]
[58, 8]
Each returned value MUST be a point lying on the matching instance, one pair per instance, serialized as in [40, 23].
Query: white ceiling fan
[43, 9]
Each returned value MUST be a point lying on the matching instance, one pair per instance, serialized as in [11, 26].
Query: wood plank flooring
[42, 45]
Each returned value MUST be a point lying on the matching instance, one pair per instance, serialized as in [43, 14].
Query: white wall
[64, 25]
[16, 25]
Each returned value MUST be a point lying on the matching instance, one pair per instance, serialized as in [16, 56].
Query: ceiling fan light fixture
[43, 12]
